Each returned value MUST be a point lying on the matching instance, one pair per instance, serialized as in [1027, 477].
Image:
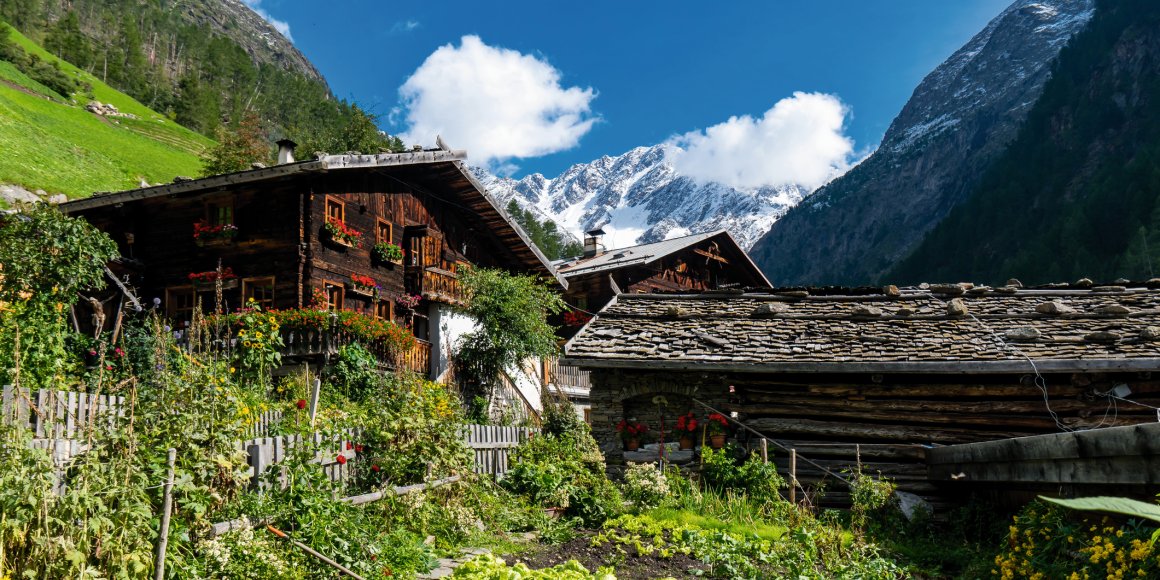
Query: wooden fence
[53, 414]
[492, 445]
[62, 422]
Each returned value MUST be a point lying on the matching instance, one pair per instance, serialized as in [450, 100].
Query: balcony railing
[435, 284]
[572, 380]
[316, 342]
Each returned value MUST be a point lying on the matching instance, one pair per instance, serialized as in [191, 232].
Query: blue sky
[612, 76]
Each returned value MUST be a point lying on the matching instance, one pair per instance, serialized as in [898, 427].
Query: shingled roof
[646, 254]
[940, 328]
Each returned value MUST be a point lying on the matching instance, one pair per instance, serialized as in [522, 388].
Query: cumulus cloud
[798, 141]
[496, 103]
[280, 25]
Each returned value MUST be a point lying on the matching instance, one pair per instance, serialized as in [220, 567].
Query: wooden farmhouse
[906, 382]
[696, 263]
[383, 235]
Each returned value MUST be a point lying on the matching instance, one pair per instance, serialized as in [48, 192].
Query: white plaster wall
[447, 327]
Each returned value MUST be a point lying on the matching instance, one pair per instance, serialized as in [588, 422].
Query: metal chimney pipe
[286, 151]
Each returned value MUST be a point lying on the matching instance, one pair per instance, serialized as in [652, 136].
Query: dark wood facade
[882, 378]
[282, 255]
[696, 263]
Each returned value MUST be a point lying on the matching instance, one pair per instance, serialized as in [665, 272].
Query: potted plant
[630, 434]
[576, 318]
[205, 235]
[388, 253]
[341, 234]
[363, 285]
[686, 427]
[716, 425]
[208, 279]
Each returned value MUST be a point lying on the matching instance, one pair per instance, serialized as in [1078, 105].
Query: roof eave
[892, 367]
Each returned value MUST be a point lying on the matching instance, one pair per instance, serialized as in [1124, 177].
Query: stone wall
[626, 394]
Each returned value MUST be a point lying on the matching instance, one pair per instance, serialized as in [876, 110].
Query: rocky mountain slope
[234, 20]
[959, 119]
[638, 198]
[1078, 192]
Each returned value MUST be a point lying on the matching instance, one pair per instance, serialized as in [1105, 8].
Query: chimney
[592, 245]
[286, 151]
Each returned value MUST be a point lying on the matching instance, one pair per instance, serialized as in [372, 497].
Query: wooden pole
[314, 400]
[311, 551]
[166, 512]
[764, 450]
[858, 456]
[793, 483]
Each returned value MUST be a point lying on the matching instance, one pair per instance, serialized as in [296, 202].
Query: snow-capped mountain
[639, 198]
[959, 119]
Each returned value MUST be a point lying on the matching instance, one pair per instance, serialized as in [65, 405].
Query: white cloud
[281, 26]
[403, 26]
[496, 103]
[798, 141]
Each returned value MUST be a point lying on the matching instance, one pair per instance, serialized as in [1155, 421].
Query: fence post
[793, 483]
[166, 512]
[764, 450]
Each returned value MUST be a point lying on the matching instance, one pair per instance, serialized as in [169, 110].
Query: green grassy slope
[60, 147]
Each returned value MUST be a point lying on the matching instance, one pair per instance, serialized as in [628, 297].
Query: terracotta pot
[632, 445]
[717, 441]
[686, 442]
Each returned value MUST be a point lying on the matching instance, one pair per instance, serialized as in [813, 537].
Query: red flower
[375, 468]
[341, 459]
[687, 423]
[301, 404]
[358, 448]
[349, 445]
[109, 367]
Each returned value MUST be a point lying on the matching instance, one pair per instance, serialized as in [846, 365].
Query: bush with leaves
[46, 259]
[565, 471]
[721, 471]
[512, 312]
[354, 373]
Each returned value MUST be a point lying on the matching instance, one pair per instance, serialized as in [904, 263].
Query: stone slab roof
[939, 328]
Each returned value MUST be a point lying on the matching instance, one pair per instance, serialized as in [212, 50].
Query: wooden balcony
[435, 284]
[307, 343]
[571, 380]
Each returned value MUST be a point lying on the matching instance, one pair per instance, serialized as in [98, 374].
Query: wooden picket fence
[51, 414]
[492, 445]
[63, 421]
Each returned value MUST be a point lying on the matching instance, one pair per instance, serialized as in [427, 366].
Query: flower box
[368, 291]
[214, 242]
[388, 253]
[229, 284]
[340, 234]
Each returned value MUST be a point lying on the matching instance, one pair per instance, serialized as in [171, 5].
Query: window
[334, 295]
[179, 302]
[335, 209]
[383, 232]
[385, 310]
[588, 415]
[260, 290]
[219, 214]
[580, 302]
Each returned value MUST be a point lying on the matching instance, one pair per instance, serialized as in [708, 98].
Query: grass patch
[762, 530]
[62, 148]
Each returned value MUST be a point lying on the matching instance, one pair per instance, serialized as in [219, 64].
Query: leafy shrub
[565, 471]
[249, 554]
[354, 374]
[868, 494]
[755, 478]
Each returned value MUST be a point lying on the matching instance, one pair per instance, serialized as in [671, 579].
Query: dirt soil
[629, 565]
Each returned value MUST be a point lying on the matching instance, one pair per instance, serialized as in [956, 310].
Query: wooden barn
[889, 377]
[383, 235]
[695, 263]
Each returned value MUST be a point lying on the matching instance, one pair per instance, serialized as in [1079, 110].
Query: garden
[555, 514]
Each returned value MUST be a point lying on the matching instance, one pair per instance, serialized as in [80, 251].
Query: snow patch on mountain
[638, 198]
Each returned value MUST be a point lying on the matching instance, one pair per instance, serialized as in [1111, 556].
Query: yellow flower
[233, 370]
